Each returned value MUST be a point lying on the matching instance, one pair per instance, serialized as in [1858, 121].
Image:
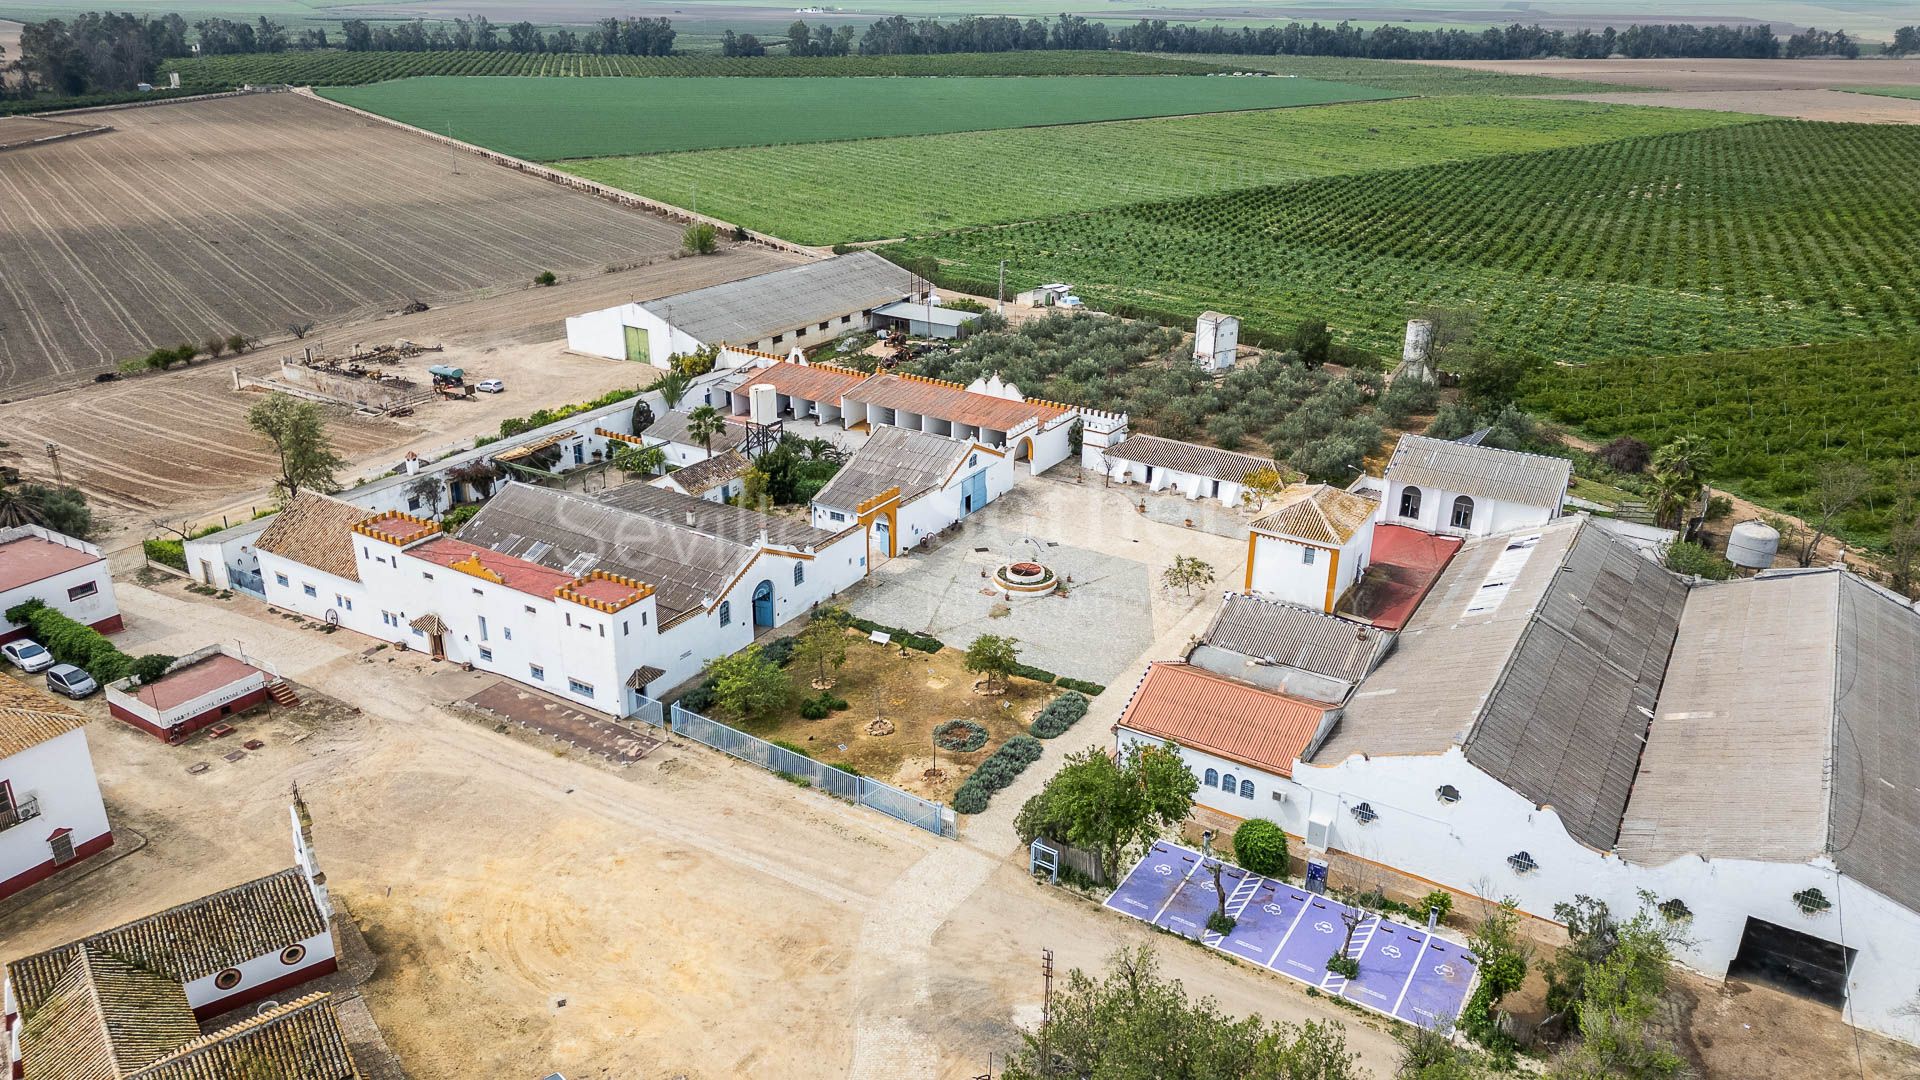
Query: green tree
[150, 667]
[704, 423]
[62, 509]
[700, 239]
[1679, 473]
[1493, 379]
[1260, 846]
[1132, 1022]
[1839, 488]
[429, 488]
[823, 644]
[297, 429]
[1260, 485]
[994, 656]
[1312, 342]
[673, 384]
[1186, 572]
[1106, 804]
[698, 362]
[1503, 967]
[747, 684]
[640, 460]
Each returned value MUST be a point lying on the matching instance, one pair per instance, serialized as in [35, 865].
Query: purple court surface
[1405, 972]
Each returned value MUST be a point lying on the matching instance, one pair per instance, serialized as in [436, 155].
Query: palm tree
[704, 423]
[19, 507]
[1678, 475]
[673, 385]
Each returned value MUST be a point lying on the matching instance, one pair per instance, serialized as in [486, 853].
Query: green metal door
[637, 345]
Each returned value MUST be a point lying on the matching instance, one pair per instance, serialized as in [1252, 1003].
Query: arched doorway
[1024, 452]
[763, 604]
[880, 545]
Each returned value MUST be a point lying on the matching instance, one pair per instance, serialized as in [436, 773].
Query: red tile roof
[202, 677]
[516, 574]
[30, 559]
[814, 382]
[949, 402]
[1406, 563]
[1216, 715]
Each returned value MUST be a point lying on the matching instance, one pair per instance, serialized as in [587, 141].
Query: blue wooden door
[974, 492]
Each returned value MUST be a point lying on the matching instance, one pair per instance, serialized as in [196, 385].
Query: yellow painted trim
[1333, 574]
[1253, 539]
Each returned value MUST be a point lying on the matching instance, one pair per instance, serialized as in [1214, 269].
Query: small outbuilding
[200, 688]
[922, 319]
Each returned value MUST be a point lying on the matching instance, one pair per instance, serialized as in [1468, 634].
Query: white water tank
[764, 407]
[1419, 344]
[1753, 545]
[1215, 339]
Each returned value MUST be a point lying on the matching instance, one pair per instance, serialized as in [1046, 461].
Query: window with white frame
[536, 673]
[799, 573]
[1307, 555]
[486, 653]
[1212, 778]
[580, 688]
[1410, 502]
[309, 590]
[1246, 789]
[726, 613]
[280, 579]
[83, 590]
[1463, 513]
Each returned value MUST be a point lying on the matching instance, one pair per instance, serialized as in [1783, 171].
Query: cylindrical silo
[1753, 545]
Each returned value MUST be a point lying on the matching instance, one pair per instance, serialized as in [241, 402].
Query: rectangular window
[626, 628]
[62, 845]
[486, 653]
[835, 515]
[537, 673]
[413, 503]
[507, 632]
[280, 579]
[477, 592]
[1306, 556]
[845, 319]
[643, 618]
[483, 628]
[823, 326]
[580, 688]
[83, 590]
[530, 610]
[417, 632]
[777, 338]
[802, 332]
[426, 575]
[387, 618]
[309, 590]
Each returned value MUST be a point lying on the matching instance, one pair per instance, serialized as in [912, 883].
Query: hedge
[1091, 689]
[73, 642]
[904, 637]
[166, 552]
[1039, 675]
[1058, 715]
[997, 772]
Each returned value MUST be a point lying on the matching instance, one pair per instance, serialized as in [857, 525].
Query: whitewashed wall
[58, 772]
[1490, 516]
[53, 592]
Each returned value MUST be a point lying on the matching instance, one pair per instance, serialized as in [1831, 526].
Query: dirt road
[1695, 74]
[1831, 105]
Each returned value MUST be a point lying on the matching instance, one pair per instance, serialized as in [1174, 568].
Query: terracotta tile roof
[1406, 563]
[1322, 515]
[603, 591]
[30, 558]
[1208, 461]
[1216, 715]
[191, 941]
[30, 716]
[472, 559]
[703, 476]
[317, 531]
[105, 1019]
[929, 397]
[814, 382]
[299, 1040]
[643, 675]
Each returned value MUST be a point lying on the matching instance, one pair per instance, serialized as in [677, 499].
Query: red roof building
[66, 574]
[1222, 718]
[1406, 563]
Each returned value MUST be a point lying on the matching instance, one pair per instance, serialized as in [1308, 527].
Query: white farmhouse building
[1562, 717]
[1194, 471]
[1296, 650]
[719, 478]
[1459, 489]
[51, 816]
[68, 575]
[903, 486]
[798, 305]
[1313, 548]
[671, 434]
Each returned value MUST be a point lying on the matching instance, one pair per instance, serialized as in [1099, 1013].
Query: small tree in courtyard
[700, 239]
[1109, 805]
[747, 684]
[823, 644]
[1260, 485]
[640, 460]
[1260, 846]
[1186, 572]
[993, 656]
[704, 423]
[428, 488]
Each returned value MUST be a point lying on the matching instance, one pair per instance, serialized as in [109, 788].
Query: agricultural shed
[1193, 470]
[921, 319]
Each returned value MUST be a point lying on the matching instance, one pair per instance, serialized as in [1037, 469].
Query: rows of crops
[1886, 91]
[920, 185]
[1430, 80]
[332, 68]
[1771, 419]
[549, 119]
[1739, 237]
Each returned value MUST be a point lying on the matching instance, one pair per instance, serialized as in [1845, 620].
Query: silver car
[27, 655]
[71, 681]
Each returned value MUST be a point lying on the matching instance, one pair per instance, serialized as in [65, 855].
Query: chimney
[689, 517]
[303, 852]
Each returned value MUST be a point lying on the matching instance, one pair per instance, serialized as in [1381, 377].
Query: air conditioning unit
[1279, 796]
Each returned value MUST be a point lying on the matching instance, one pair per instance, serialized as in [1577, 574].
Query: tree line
[608, 37]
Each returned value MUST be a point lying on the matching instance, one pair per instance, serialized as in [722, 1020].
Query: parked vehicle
[490, 386]
[27, 655]
[72, 681]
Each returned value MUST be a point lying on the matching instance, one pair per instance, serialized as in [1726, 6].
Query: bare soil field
[20, 131]
[242, 215]
[1831, 105]
[180, 448]
[1712, 74]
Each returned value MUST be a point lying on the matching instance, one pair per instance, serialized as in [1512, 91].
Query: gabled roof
[297, 1040]
[1481, 471]
[733, 524]
[813, 382]
[1319, 515]
[781, 301]
[913, 461]
[316, 530]
[105, 1019]
[1208, 461]
[190, 941]
[702, 476]
[1217, 715]
[945, 401]
[672, 427]
[1297, 637]
[30, 716]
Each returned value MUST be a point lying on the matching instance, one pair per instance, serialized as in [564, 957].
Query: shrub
[1260, 846]
[1687, 558]
[1343, 965]
[780, 651]
[970, 799]
[1625, 454]
[1221, 923]
[236, 343]
[700, 239]
[1025, 671]
[458, 516]
[150, 668]
[699, 699]
[1091, 689]
[544, 278]
[900, 637]
[1058, 715]
[1439, 900]
[169, 552]
[791, 748]
[997, 772]
[813, 709]
[960, 736]
[72, 642]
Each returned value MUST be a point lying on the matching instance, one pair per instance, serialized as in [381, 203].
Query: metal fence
[651, 712]
[893, 802]
[247, 581]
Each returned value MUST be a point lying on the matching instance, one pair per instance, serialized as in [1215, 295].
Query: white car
[27, 655]
[490, 386]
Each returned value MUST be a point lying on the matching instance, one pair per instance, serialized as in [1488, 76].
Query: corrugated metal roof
[191, 941]
[813, 382]
[1208, 461]
[1567, 721]
[1424, 697]
[1735, 765]
[576, 534]
[672, 427]
[948, 402]
[931, 314]
[733, 524]
[1875, 816]
[30, 716]
[914, 461]
[317, 531]
[781, 301]
[1320, 515]
[1482, 471]
[1297, 637]
[1216, 715]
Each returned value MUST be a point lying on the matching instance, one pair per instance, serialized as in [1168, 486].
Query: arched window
[1410, 502]
[799, 573]
[1212, 778]
[726, 613]
[1463, 513]
[1228, 784]
[1246, 789]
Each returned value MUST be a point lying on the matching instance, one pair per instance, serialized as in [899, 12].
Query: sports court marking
[1405, 972]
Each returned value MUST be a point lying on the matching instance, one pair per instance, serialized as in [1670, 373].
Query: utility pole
[1001, 295]
[1046, 1012]
[53, 455]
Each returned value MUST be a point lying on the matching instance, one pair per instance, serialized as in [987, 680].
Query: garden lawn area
[825, 193]
[547, 119]
[1755, 235]
[917, 692]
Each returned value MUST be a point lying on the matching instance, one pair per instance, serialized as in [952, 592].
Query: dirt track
[1831, 105]
[246, 214]
[1713, 74]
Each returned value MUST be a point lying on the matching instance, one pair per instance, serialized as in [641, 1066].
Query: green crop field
[825, 193]
[1885, 91]
[1406, 77]
[1771, 419]
[1760, 234]
[334, 68]
[549, 119]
